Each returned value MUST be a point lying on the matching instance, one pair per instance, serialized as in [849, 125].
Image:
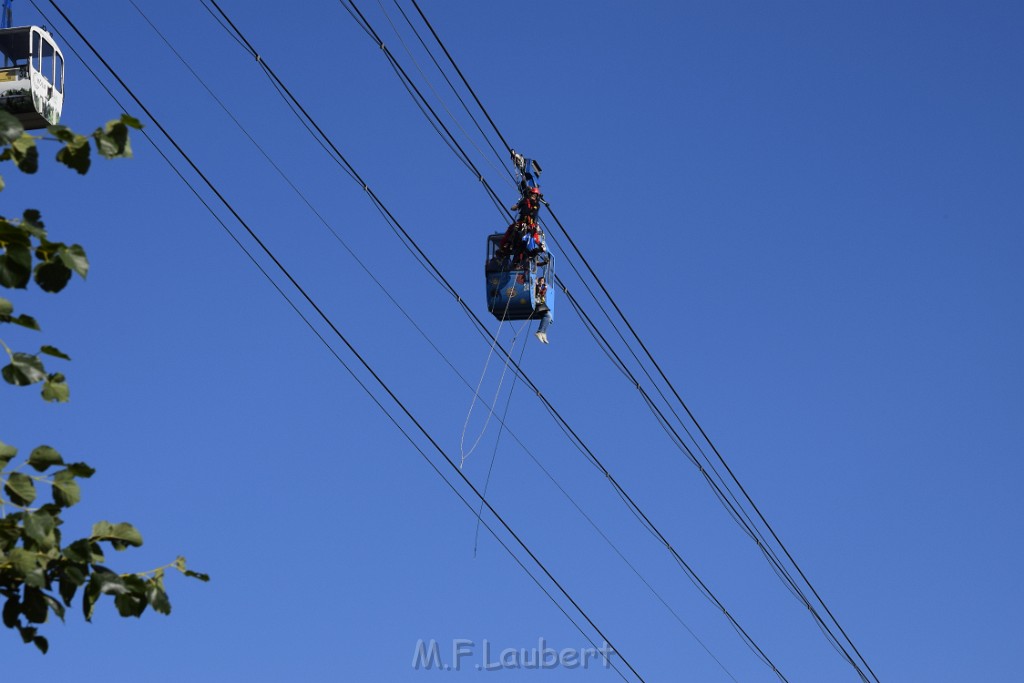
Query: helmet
[535, 190]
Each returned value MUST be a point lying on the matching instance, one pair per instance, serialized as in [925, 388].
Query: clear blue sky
[811, 214]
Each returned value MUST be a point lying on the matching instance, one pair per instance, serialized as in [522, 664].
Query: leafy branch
[39, 574]
[26, 252]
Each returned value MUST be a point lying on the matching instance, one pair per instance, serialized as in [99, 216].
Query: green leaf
[42, 643]
[15, 266]
[39, 526]
[23, 320]
[24, 369]
[62, 133]
[70, 579]
[54, 351]
[83, 552]
[6, 307]
[20, 488]
[108, 582]
[80, 469]
[33, 606]
[66, 491]
[25, 154]
[15, 233]
[52, 276]
[112, 141]
[10, 533]
[102, 582]
[44, 457]
[131, 121]
[132, 602]
[54, 606]
[179, 564]
[32, 224]
[37, 578]
[120, 535]
[6, 453]
[74, 258]
[10, 128]
[55, 389]
[89, 597]
[23, 562]
[75, 153]
[157, 597]
[12, 611]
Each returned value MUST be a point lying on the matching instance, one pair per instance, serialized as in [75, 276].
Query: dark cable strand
[672, 388]
[447, 54]
[615, 484]
[383, 385]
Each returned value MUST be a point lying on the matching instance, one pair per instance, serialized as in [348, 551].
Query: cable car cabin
[512, 288]
[32, 76]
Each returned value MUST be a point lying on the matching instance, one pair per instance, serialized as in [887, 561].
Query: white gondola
[32, 76]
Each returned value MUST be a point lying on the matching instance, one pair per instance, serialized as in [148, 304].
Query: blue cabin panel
[522, 290]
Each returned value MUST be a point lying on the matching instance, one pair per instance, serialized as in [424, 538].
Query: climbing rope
[476, 393]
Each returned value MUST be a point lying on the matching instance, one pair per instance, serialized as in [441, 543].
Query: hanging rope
[494, 454]
[476, 393]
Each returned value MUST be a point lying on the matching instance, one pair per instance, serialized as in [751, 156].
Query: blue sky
[810, 214]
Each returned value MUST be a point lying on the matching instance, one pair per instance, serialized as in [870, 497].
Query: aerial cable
[413, 91]
[501, 160]
[418, 97]
[508, 147]
[225, 27]
[502, 421]
[334, 353]
[327, 145]
[341, 336]
[501, 157]
[361, 20]
[370, 31]
[722, 492]
[407, 82]
[768, 552]
[600, 533]
[295, 189]
[738, 515]
[570, 432]
[590, 521]
[367, 27]
[727, 497]
[337, 153]
[498, 132]
[732, 475]
[662, 419]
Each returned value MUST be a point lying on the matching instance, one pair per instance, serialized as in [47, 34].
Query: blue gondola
[512, 291]
[520, 271]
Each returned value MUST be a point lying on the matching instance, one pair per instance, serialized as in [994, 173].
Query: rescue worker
[523, 236]
[541, 296]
